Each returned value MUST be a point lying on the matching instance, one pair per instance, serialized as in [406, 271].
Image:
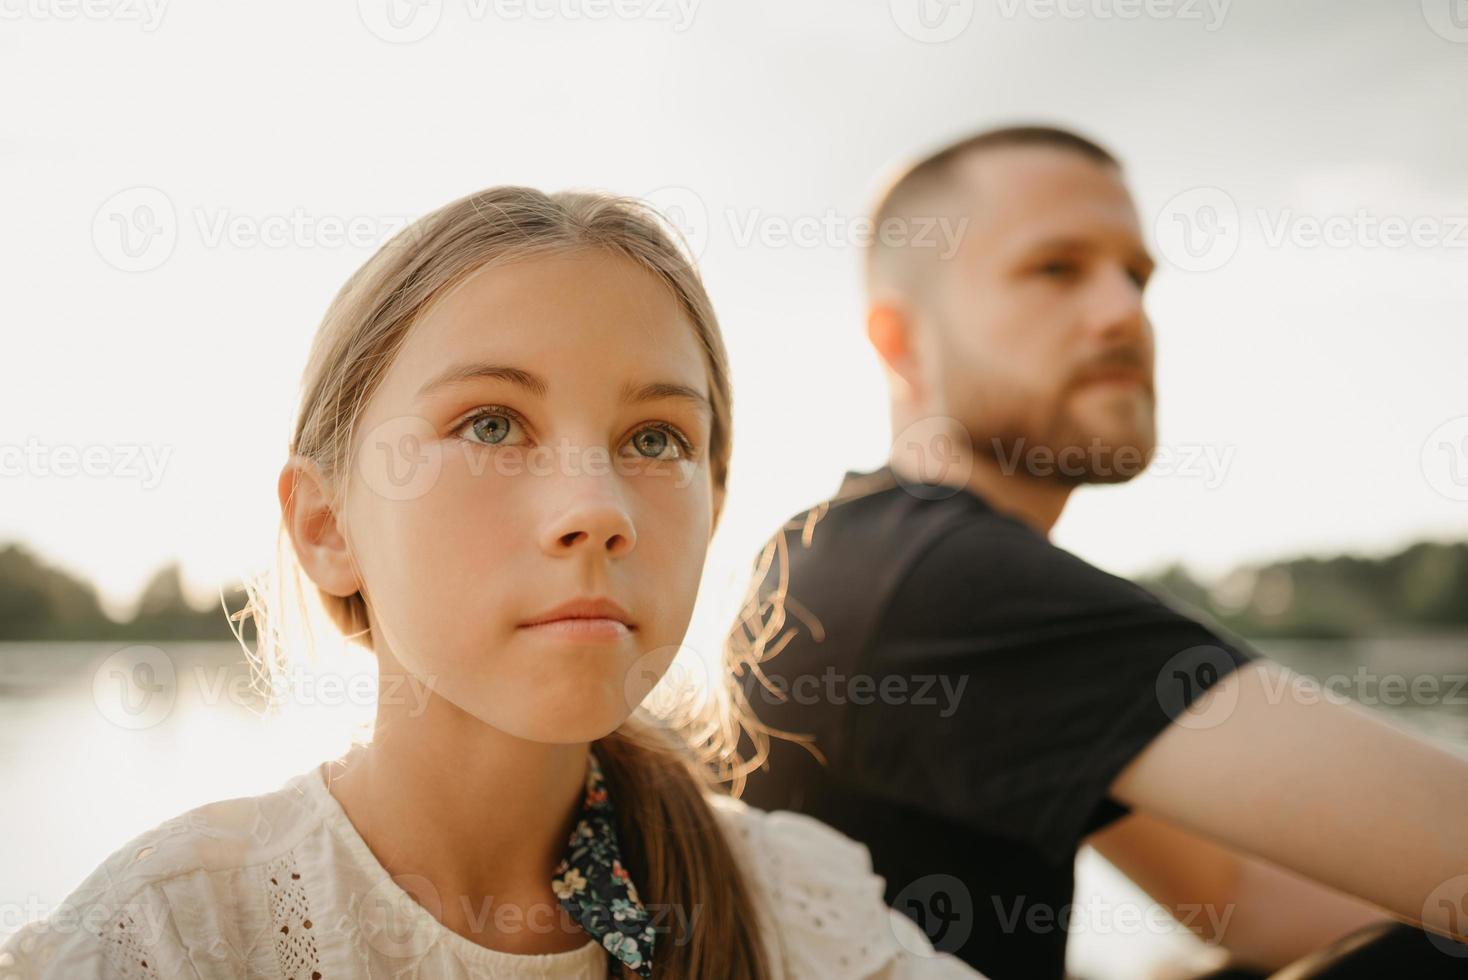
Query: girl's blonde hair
[659, 773]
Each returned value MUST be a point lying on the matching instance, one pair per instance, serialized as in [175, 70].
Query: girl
[511, 453]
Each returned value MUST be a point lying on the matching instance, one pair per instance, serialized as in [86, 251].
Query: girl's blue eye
[490, 428]
[497, 427]
[651, 442]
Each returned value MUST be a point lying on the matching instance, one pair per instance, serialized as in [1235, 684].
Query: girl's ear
[718, 510]
[321, 548]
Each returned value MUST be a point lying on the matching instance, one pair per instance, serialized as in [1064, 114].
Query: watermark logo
[138, 229]
[932, 21]
[135, 230]
[1198, 230]
[942, 908]
[401, 458]
[407, 21]
[147, 14]
[1445, 459]
[126, 461]
[391, 916]
[932, 458]
[1449, 902]
[1183, 680]
[1447, 18]
[670, 682]
[685, 212]
[1210, 13]
[400, 21]
[941, 692]
[136, 687]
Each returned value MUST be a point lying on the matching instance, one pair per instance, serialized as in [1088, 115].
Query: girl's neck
[473, 818]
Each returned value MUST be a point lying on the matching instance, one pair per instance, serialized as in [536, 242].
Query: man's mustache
[1127, 358]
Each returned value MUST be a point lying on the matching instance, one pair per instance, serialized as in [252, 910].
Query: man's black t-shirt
[974, 691]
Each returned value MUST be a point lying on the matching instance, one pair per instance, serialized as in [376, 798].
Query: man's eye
[1140, 277]
[491, 428]
[1059, 269]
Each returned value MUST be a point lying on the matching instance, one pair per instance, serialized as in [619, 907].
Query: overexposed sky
[185, 185]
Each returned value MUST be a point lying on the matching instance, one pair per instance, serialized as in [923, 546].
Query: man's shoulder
[876, 518]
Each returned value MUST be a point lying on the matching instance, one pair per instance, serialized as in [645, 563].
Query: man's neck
[1035, 501]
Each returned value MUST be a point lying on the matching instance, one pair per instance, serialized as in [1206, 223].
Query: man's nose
[1117, 313]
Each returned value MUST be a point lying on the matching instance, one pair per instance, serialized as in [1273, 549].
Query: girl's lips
[591, 629]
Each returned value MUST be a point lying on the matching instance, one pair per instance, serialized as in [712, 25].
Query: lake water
[99, 742]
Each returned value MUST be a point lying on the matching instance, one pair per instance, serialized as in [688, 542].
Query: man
[981, 703]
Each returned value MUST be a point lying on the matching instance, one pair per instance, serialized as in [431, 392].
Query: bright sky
[1304, 386]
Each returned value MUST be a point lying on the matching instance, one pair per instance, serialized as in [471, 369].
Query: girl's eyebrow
[536, 385]
[459, 373]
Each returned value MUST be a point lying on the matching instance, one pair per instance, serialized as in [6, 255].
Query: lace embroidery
[295, 944]
[127, 949]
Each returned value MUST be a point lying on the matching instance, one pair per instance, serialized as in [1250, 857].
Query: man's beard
[1069, 456]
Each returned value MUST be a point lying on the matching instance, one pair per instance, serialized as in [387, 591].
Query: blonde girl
[511, 452]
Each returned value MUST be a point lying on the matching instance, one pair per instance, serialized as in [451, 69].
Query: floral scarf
[594, 887]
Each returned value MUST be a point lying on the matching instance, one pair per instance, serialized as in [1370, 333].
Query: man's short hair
[920, 192]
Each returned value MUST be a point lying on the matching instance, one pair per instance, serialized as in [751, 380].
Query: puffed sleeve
[821, 905]
[115, 925]
[77, 941]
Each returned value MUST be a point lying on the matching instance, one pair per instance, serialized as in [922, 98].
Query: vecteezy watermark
[1445, 459]
[1206, 463]
[687, 213]
[941, 691]
[832, 229]
[403, 458]
[137, 229]
[1098, 916]
[1200, 229]
[1188, 687]
[932, 21]
[1368, 687]
[147, 14]
[932, 458]
[1448, 19]
[148, 919]
[1448, 904]
[397, 915]
[119, 461]
[1189, 690]
[136, 687]
[406, 21]
[224, 685]
[942, 908]
[671, 682]
[1209, 13]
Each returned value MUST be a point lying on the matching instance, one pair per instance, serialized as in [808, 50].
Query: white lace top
[281, 886]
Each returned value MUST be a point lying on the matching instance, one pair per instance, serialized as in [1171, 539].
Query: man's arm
[1267, 765]
[1264, 916]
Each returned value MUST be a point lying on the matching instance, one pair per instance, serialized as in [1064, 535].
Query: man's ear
[893, 334]
[321, 548]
